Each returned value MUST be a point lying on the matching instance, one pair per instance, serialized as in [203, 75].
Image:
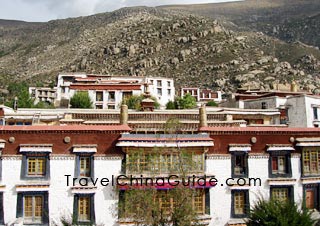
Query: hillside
[289, 20]
[194, 50]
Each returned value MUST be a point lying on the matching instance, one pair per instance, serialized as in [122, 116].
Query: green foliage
[19, 90]
[81, 100]
[212, 103]
[171, 105]
[134, 102]
[186, 102]
[172, 126]
[144, 207]
[277, 213]
[43, 105]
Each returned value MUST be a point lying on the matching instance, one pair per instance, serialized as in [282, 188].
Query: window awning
[147, 144]
[85, 148]
[280, 147]
[165, 140]
[239, 147]
[36, 148]
[308, 142]
[2, 143]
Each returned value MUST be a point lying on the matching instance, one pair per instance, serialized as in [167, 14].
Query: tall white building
[107, 92]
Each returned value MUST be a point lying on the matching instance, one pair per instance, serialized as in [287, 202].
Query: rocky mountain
[289, 20]
[194, 50]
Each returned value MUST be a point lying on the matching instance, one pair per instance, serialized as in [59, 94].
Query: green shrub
[277, 213]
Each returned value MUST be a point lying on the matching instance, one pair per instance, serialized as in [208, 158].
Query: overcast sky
[45, 10]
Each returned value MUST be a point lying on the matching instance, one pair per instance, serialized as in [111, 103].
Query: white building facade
[107, 92]
[297, 111]
[37, 162]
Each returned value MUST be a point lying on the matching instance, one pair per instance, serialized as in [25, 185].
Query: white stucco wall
[60, 195]
[220, 195]
[106, 198]
[297, 111]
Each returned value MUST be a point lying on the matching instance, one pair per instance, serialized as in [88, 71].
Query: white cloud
[44, 10]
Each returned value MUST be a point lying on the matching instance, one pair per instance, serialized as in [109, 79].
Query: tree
[212, 103]
[19, 90]
[171, 105]
[185, 102]
[81, 100]
[279, 213]
[147, 205]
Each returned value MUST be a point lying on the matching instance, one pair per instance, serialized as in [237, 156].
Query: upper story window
[159, 83]
[36, 166]
[239, 159]
[310, 161]
[126, 95]
[85, 166]
[159, 91]
[315, 113]
[263, 105]
[84, 160]
[111, 96]
[35, 161]
[169, 83]
[140, 161]
[99, 96]
[280, 160]
[169, 91]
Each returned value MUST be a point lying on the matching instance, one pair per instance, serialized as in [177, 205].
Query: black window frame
[246, 204]
[0, 167]
[315, 113]
[290, 191]
[20, 206]
[287, 156]
[234, 154]
[76, 208]
[24, 166]
[102, 96]
[1, 209]
[304, 174]
[77, 164]
[316, 188]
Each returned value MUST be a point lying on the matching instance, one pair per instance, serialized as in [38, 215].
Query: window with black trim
[239, 164]
[166, 199]
[35, 166]
[1, 209]
[99, 95]
[280, 164]
[281, 193]
[240, 203]
[84, 165]
[83, 209]
[0, 167]
[311, 196]
[310, 161]
[33, 207]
